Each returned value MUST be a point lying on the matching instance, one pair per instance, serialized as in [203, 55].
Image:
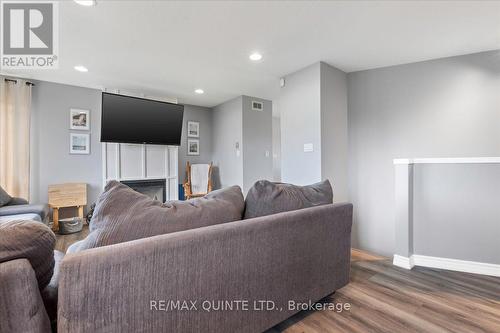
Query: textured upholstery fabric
[18, 201]
[276, 257]
[39, 209]
[49, 293]
[21, 306]
[23, 217]
[122, 214]
[30, 240]
[4, 197]
[77, 246]
[266, 198]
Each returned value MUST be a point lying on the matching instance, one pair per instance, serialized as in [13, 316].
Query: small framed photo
[79, 143]
[79, 119]
[193, 129]
[193, 147]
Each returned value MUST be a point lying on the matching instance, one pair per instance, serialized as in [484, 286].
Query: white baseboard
[447, 263]
[403, 262]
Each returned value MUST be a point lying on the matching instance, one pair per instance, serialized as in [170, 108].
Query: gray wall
[234, 122]
[441, 108]
[204, 117]
[276, 149]
[227, 130]
[457, 212]
[257, 142]
[299, 107]
[334, 130]
[313, 109]
[50, 160]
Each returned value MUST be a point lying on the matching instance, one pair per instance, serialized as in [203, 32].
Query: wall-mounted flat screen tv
[127, 119]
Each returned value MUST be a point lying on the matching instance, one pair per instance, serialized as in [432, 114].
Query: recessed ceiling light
[81, 68]
[87, 3]
[199, 91]
[255, 56]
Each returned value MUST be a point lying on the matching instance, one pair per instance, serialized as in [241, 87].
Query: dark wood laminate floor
[64, 241]
[386, 298]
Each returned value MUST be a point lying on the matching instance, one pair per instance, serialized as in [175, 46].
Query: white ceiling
[171, 48]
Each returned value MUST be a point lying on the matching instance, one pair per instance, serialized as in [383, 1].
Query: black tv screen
[127, 119]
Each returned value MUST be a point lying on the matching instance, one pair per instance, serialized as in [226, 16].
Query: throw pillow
[30, 240]
[5, 198]
[122, 214]
[266, 198]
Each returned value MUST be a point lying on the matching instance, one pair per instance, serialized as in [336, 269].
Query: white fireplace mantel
[122, 161]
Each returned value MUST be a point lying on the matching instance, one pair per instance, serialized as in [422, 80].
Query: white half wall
[440, 108]
[448, 210]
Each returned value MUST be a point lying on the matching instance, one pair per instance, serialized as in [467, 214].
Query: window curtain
[15, 113]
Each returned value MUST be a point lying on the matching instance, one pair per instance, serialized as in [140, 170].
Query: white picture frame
[193, 129]
[79, 119]
[193, 147]
[79, 144]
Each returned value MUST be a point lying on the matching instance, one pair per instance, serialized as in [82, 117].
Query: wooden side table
[64, 196]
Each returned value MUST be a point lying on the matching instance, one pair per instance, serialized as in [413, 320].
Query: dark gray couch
[302, 255]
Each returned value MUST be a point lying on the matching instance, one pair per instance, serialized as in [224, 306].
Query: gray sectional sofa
[20, 209]
[195, 280]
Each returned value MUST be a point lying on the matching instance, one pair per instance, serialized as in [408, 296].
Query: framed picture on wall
[193, 147]
[79, 143]
[193, 129]
[79, 119]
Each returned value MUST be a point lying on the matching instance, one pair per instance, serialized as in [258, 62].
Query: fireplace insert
[154, 188]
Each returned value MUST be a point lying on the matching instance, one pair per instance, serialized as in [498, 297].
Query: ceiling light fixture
[255, 56]
[81, 68]
[87, 3]
[199, 91]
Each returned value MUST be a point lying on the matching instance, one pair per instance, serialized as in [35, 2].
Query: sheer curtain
[15, 112]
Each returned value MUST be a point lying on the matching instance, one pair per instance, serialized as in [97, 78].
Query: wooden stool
[67, 195]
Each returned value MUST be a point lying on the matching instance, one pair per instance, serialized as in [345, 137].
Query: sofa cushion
[18, 201]
[39, 209]
[23, 217]
[4, 197]
[266, 198]
[30, 240]
[122, 214]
